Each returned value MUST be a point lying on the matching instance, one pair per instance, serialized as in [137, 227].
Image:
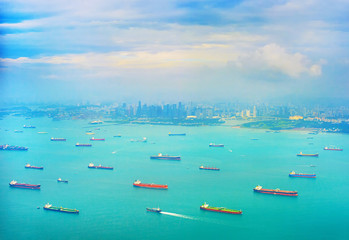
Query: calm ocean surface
[111, 208]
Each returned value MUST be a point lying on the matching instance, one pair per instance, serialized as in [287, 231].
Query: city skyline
[63, 51]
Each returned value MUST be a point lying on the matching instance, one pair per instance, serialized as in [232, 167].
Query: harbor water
[111, 208]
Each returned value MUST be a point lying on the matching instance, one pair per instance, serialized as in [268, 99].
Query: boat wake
[178, 215]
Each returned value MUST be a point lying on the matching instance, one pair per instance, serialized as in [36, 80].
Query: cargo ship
[63, 181]
[165, 157]
[277, 191]
[58, 139]
[91, 165]
[149, 185]
[206, 207]
[83, 145]
[177, 134]
[216, 145]
[15, 184]
[302, 175]
[333, 149]
[28, 126]
[157, 210]
[208, 168]
[96, 122]
[12, 148]
[97, 139]
[34, 167]
[60, 209]
[307, 155]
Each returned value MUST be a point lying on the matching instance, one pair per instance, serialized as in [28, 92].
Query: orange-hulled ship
[149, 185]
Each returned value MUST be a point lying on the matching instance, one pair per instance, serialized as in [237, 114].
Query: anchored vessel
[138, 183]
[157, 210]
[216, 145]
[333, 149]
[60, 180]
[97, 139]
[58, 139]
[139, 140]
[28, 126]
[91, 165]
[206, 207]
[15, 184]
[303, 175]
[60, 209]
[83, 145]
[277, 191]
[177, 134]
[307, 155]
[96, 122]
[165, 157]
[208, 168]
[34, 167]
[12, 148]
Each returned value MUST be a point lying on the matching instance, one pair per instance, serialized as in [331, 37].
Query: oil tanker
[208, 168]
[277, 191]
[165, 157]
[12, 148]
[15, 184]
[302, 175]
[177, 134]
[307, 155]
[206, 207]
[60, 209]
[83, 145]
[34, 167]
[91, 165]
[138, 183]
[59, 139]
[215, 145]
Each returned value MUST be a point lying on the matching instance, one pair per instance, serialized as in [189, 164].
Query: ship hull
[333, 149]
[152, 186]
[38, 168]
[303, 175]
[212, 169]
[26, 186]
[166, 158]
[153, 210]
[307, 155]
[101, 167]
[85, 145]
[216, 146]
[277, 192]
[177, 134]
[59, 140]
[64, 210]
[221, 211]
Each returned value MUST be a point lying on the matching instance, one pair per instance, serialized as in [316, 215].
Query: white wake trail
[178, 215]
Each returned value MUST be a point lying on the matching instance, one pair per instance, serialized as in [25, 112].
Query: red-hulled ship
[333, 149]
[149, 185]
[208, 168]
[97, 139]
[91, 165]
[23, 185]
[34, 167]
[277, 191]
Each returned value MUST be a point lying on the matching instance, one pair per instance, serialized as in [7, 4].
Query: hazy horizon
[171, 51]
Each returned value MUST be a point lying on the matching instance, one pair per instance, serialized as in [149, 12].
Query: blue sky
[174, 50]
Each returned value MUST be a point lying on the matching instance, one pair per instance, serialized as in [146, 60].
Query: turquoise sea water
[111, 208]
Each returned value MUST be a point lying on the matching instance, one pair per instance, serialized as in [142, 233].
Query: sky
[175, 50]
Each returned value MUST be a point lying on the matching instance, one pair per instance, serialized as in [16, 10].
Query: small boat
[206, 207]
[90, 133]
[302, 175]
[165, 157]
[307, 155]
[91, 165]
[117, 135]
[60, 209]
[42, 132]
[277, 191]
[34, 167]
[18, 131]
[333, 149]
[312, 165]
[63, 181]
[177, 134]
[208, 168]
[157, 210]
[138, 183]
[97, 139]
[139, 140]
[14, 184]
[254, 139]
[215, 145]
[83, 145]
[59, 139]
